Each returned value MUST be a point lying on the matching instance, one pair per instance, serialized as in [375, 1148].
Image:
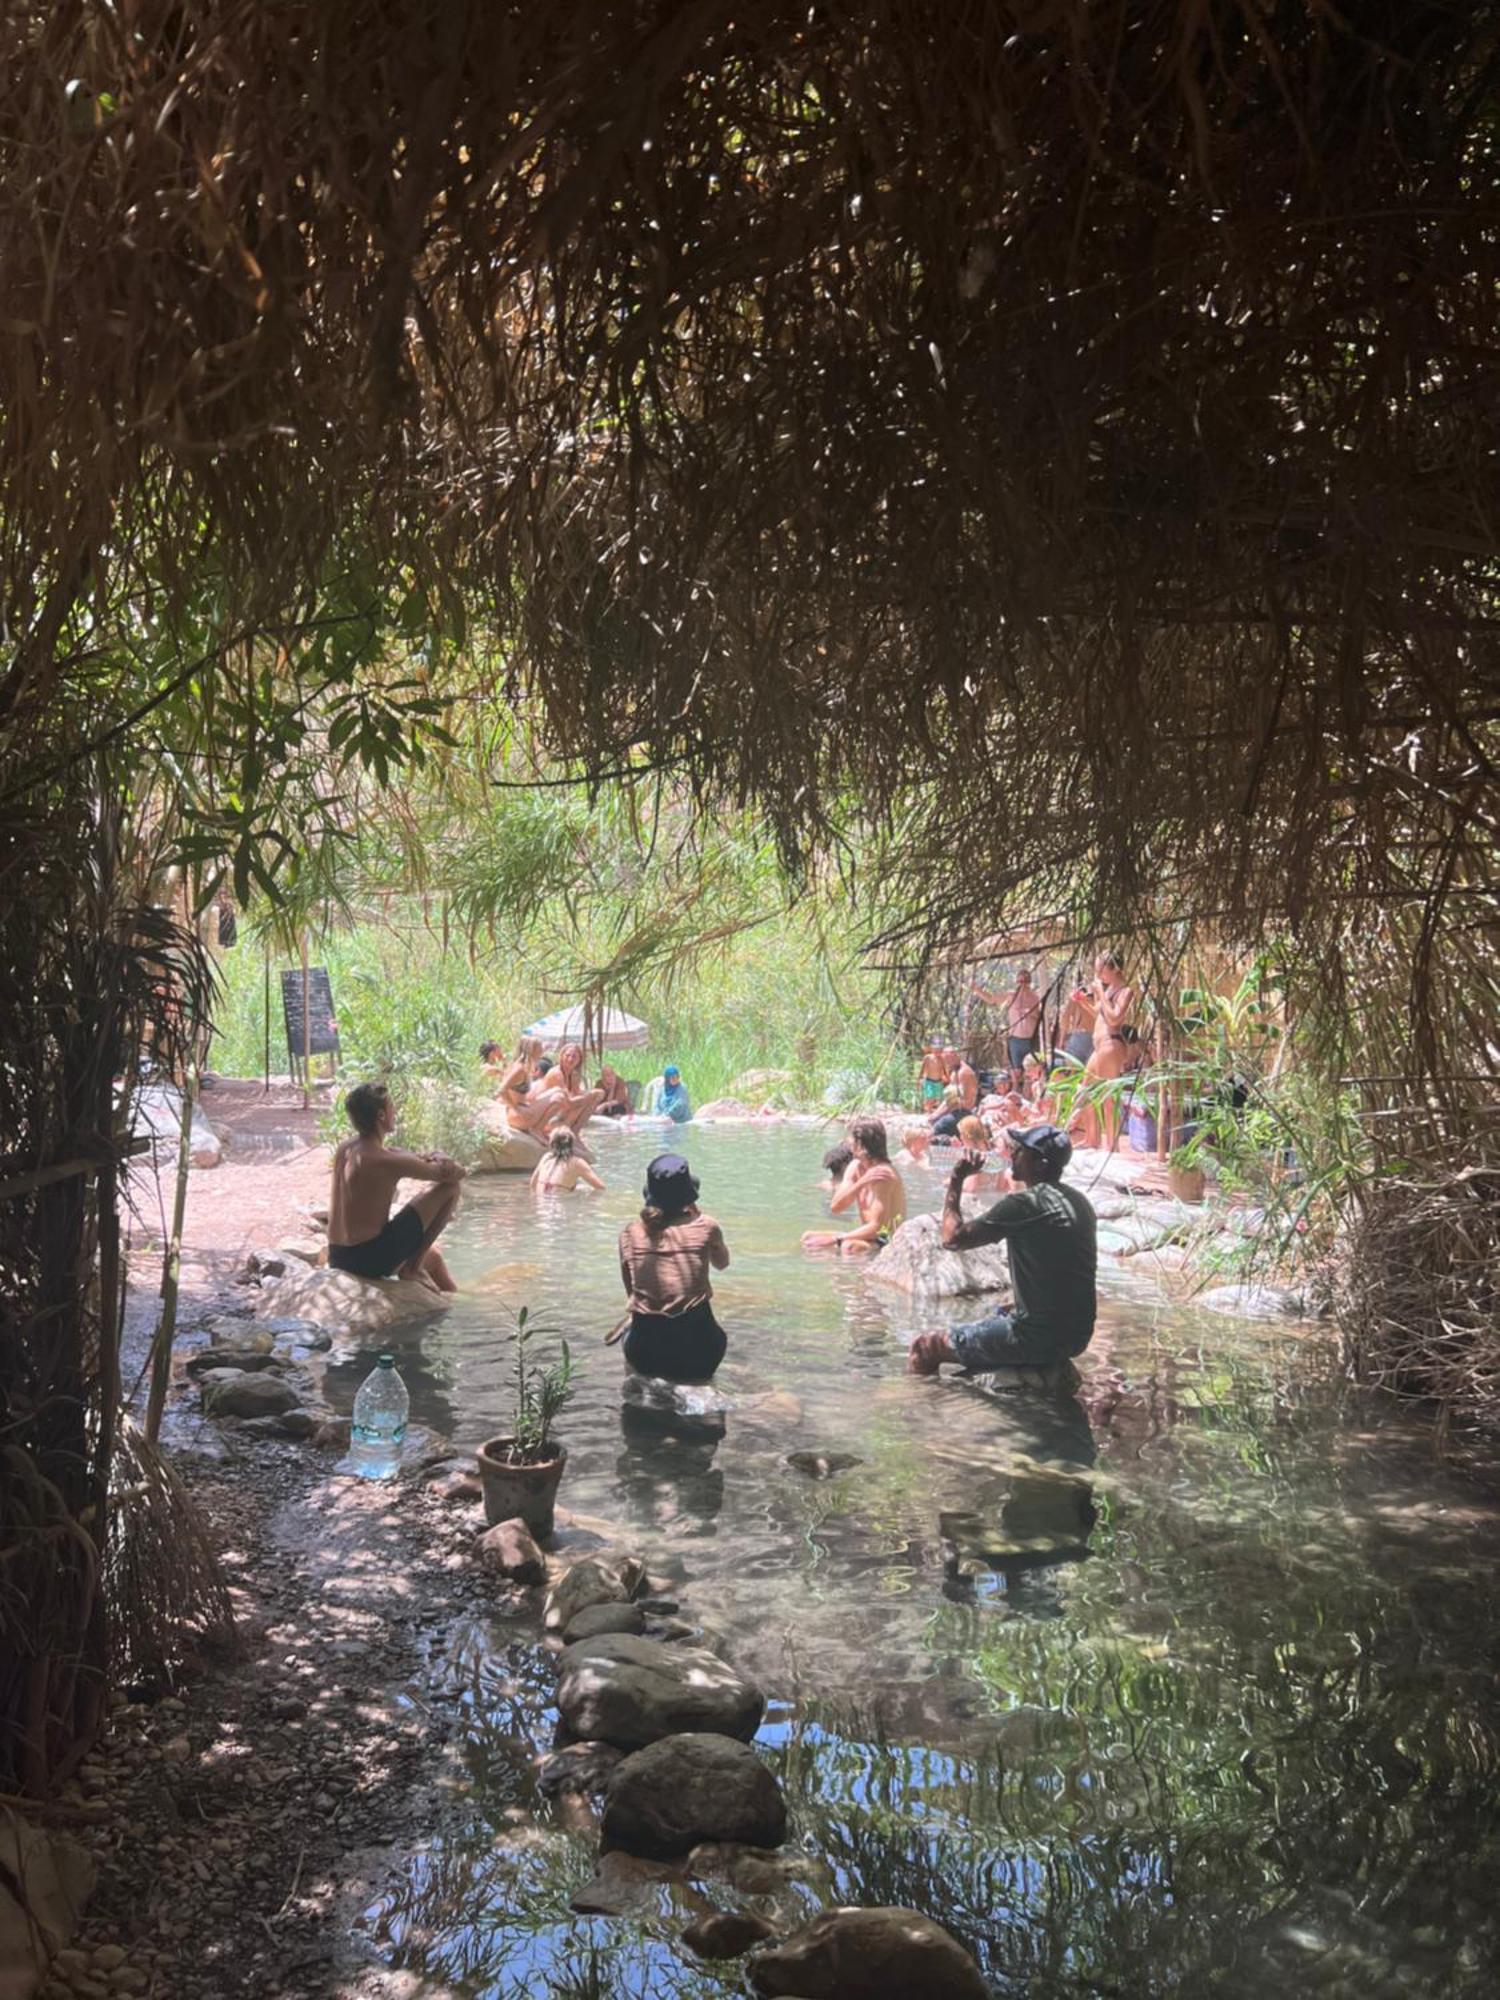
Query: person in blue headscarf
[672, 1101]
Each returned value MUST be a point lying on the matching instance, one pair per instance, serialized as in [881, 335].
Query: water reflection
[666, 1472]
[1233, 1731]
[1038, 1512]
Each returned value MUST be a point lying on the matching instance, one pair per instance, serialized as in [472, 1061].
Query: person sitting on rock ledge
[874, 1186]
[1051, 1235]
[364, 1238]
[665, 1257]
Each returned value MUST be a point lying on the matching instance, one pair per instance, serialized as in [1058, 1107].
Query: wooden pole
[1163, 1099]
[267, 1088]
[306, 1027]
[166, 1325]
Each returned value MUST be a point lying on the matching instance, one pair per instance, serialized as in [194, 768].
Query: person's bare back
[364, 1238]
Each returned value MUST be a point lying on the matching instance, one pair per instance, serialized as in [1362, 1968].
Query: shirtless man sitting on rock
[364, 1238]
[874, 1187]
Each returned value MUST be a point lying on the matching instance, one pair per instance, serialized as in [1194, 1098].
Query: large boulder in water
[756, 1086]
[689, 1788]
[630, 1692]
[725, 1111]
[880, 1954]
[915, 1260]
[338, 1300]
[503, 1150]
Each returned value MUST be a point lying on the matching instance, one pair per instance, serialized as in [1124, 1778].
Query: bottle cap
[385, 1361]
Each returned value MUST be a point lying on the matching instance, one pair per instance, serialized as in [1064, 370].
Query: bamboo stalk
[166, 1325]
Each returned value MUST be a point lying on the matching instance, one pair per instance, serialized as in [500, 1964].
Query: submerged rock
[916, 1261]
[337, 1301]
[727, 1933]
[608, 1578]
[597, 1618]
[631, 1691]
[689, 1788]
[879, 1954]
[1045, 1517]
[624, 1885]
[685, 1409]
[1061, 1379]
[822, 1464]
[582, 1768]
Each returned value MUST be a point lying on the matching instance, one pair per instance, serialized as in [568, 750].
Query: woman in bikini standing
[1107, 1002]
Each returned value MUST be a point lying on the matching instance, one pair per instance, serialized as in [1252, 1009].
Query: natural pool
[1242, 1738]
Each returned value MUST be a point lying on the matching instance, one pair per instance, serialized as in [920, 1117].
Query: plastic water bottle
[379, 1423]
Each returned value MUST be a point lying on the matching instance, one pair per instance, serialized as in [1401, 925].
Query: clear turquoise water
[1243, 1737]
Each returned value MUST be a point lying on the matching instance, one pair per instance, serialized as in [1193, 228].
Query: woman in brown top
[665, 1256]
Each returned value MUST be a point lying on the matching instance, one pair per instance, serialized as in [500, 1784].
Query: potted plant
[520, 1473]
[1185, 1179]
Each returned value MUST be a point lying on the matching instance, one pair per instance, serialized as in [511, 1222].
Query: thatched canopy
[1075, 417]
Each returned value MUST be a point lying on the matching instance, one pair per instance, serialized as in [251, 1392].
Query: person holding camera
[1051, 1235]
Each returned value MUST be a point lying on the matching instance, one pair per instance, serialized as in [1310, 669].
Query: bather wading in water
[560, 1170]
[665, 1258]
[874, 1187]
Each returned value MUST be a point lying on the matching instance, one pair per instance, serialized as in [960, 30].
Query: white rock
[1251, 1302]
[916, 1261]
[157, 1115]
[337, 1299]
[503, 1150]
[682, 1399]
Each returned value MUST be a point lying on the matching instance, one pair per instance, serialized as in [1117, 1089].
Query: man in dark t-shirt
[1050, 1233]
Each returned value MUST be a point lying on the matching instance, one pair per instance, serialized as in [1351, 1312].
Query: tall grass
[408, 1006]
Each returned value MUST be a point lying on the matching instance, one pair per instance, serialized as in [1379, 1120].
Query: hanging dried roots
[166, 1592]
[1419, 1296]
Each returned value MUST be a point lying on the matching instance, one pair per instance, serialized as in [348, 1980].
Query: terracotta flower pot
[1186, 1183]
[520, 1491]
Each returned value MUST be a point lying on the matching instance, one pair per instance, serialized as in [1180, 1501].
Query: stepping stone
[878, 1954]
[632, 1691]
[597, 1618]
[689, 1788]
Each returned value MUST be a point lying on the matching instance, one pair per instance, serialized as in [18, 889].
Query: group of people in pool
[669, 1252]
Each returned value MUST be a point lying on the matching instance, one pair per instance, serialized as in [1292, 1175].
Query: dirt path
[242, 1818]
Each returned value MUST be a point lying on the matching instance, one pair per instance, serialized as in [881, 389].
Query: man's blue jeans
[997, 1342]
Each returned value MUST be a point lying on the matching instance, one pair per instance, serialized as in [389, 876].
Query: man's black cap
[1053, 1147]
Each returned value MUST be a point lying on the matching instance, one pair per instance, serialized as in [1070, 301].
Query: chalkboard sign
[323, 1038]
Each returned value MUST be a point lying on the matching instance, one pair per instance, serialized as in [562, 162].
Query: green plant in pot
[521, 1472]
